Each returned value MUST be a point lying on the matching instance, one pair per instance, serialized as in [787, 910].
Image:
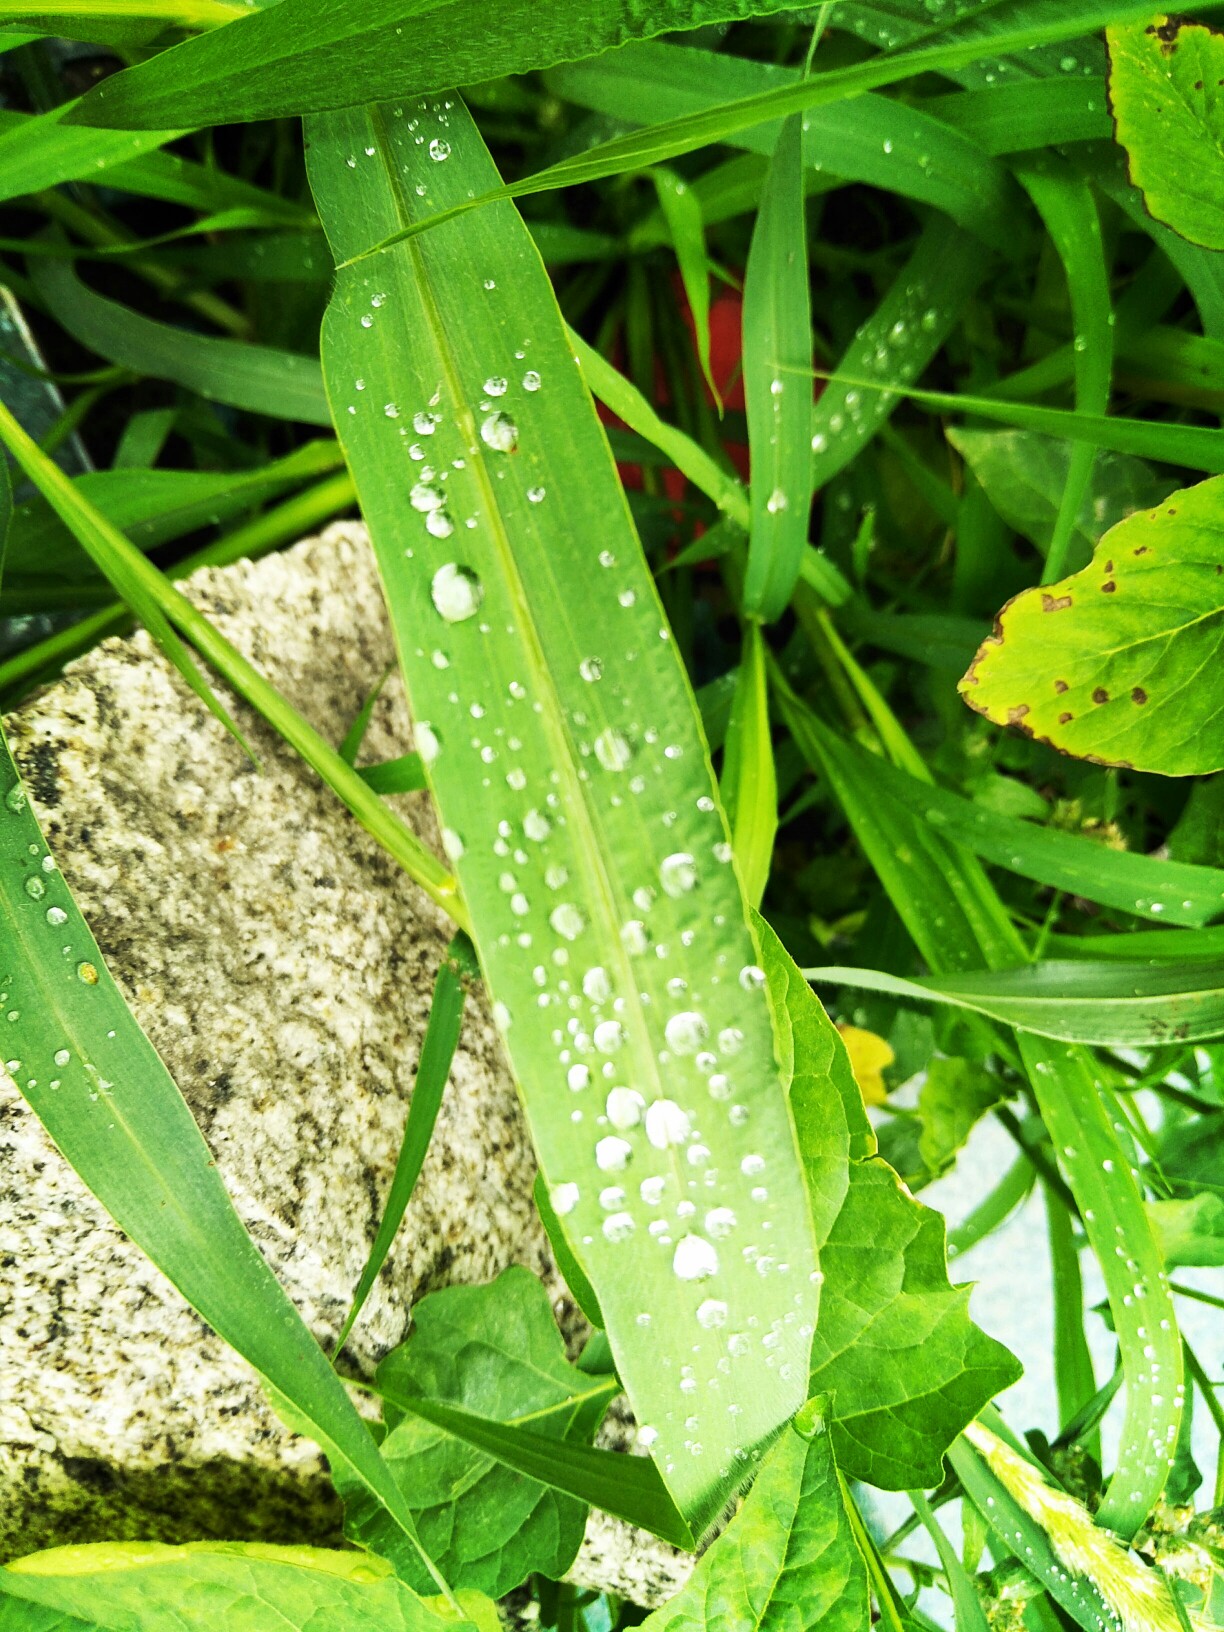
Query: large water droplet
[564, 1198]
[596, 985]
[618, 1226]
[612, 750]
[711, 1313]
[439, 150]
[427, 741]
[499, 432]
[719, 1222]
[567, 921]
[678, 873]
[608, 1035]
[624, 1108]
[685, 1032]
[666, 1124]
[612, 1154]
[456, 592]
[694, 1259]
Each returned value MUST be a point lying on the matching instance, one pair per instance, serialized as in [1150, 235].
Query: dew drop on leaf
[694, 1259]
[456, 592]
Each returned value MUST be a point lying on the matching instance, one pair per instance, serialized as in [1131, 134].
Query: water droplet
[427, 741]
[711, 1313]
[635, 938]
[494, 386]
[694, 1259]
[439, 150]
[719, 1222]
[651, 1189]
[666, 1124]
[578, 1076]
[777, 502]
[88, 973]
[567, 921]
[751, 978]
[596, 985]
[536, 495]
[439, 525]
[56, 916]
[564, 1198]
[685, 1032]
[752, 1165]
[35, 888]
[61, 1056]
[624, 1108]
[15, 798]
[499, 432]
[719, 1086]
[678, 873]
[536, 826]
[612, 750]
[609, 1036]
[612, 1154]
[456, 592]
[731, 1040]
[452, 843]
[618, 1226]
[531, 380]
[591, 669]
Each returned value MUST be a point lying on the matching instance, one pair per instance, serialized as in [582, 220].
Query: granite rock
[282, 965]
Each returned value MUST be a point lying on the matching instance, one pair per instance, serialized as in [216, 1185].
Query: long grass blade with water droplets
[564, 750]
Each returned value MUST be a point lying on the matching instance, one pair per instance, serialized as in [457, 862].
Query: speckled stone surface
[282, 965]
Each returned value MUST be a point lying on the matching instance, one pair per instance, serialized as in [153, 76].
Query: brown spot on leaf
[1171, 511]
[1055, 603]
[1143, 549]
[1138, 695]
[1108, 587]
[1060, 686]
[1100, 695]
[1065, 719]
[1109, 566]
[1016, 715]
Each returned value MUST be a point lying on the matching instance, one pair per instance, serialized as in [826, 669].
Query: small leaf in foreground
[1121, 663]
[788, 1558]
[494, 1350]
[1165, 81]
[244, 1587]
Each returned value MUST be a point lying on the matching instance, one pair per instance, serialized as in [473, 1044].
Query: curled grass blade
[563, 747]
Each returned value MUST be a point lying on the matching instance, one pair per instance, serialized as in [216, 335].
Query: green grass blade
[627, 1486]
[777, 356]
[565, 755]
[281, 384]
[1028, 23]
[403, 775]
[40, 150]
[292, 58]
[1067, 207]
[104, 1096]
[967, 1606]
[433, 1070]
[1110, 1004]
[749, 783]
[873, 139]
[681, 210]
[1011, 118]
[1150, 887]
[689, 457]
[894, 345]
[1073, 1374]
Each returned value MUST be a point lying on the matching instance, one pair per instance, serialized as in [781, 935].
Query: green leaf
[1121, 662]
[1164, 91]
[1025, 475]
[873, 139]
[681, 210]
[1190, 1229]
[1153, 887]
[894, 1347]
[433, 1071]
[777, 394]
[788, 1558]
[953, 1099]
[38, 151]
[282, 384]
[560, 736]
[1078, 1001]
[94, 1081]
[749, 783]
[494, 1350]
[292, 58]
[142, 1586]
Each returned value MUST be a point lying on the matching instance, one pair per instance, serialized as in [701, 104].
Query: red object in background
[726, 356]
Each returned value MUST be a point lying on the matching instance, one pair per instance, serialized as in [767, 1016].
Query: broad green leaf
[282, 384]
[433, 1071]
[788, 1559]
[1164, 91]
[142, 1586]
[1121, 662]
[895, 1348]
[953, 1099]
[873, 139]
[563, 748]
[291, 58]
[1190, 1229]
[494, 1350]
[749, 784]
[893, 346]
[1025, 474]
[40, 150]
[1149, 886]
[1078, 1001]
[94, 1081]
[777, 360]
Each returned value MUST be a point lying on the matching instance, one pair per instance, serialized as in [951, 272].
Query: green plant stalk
[124, 564]
[280, 524]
